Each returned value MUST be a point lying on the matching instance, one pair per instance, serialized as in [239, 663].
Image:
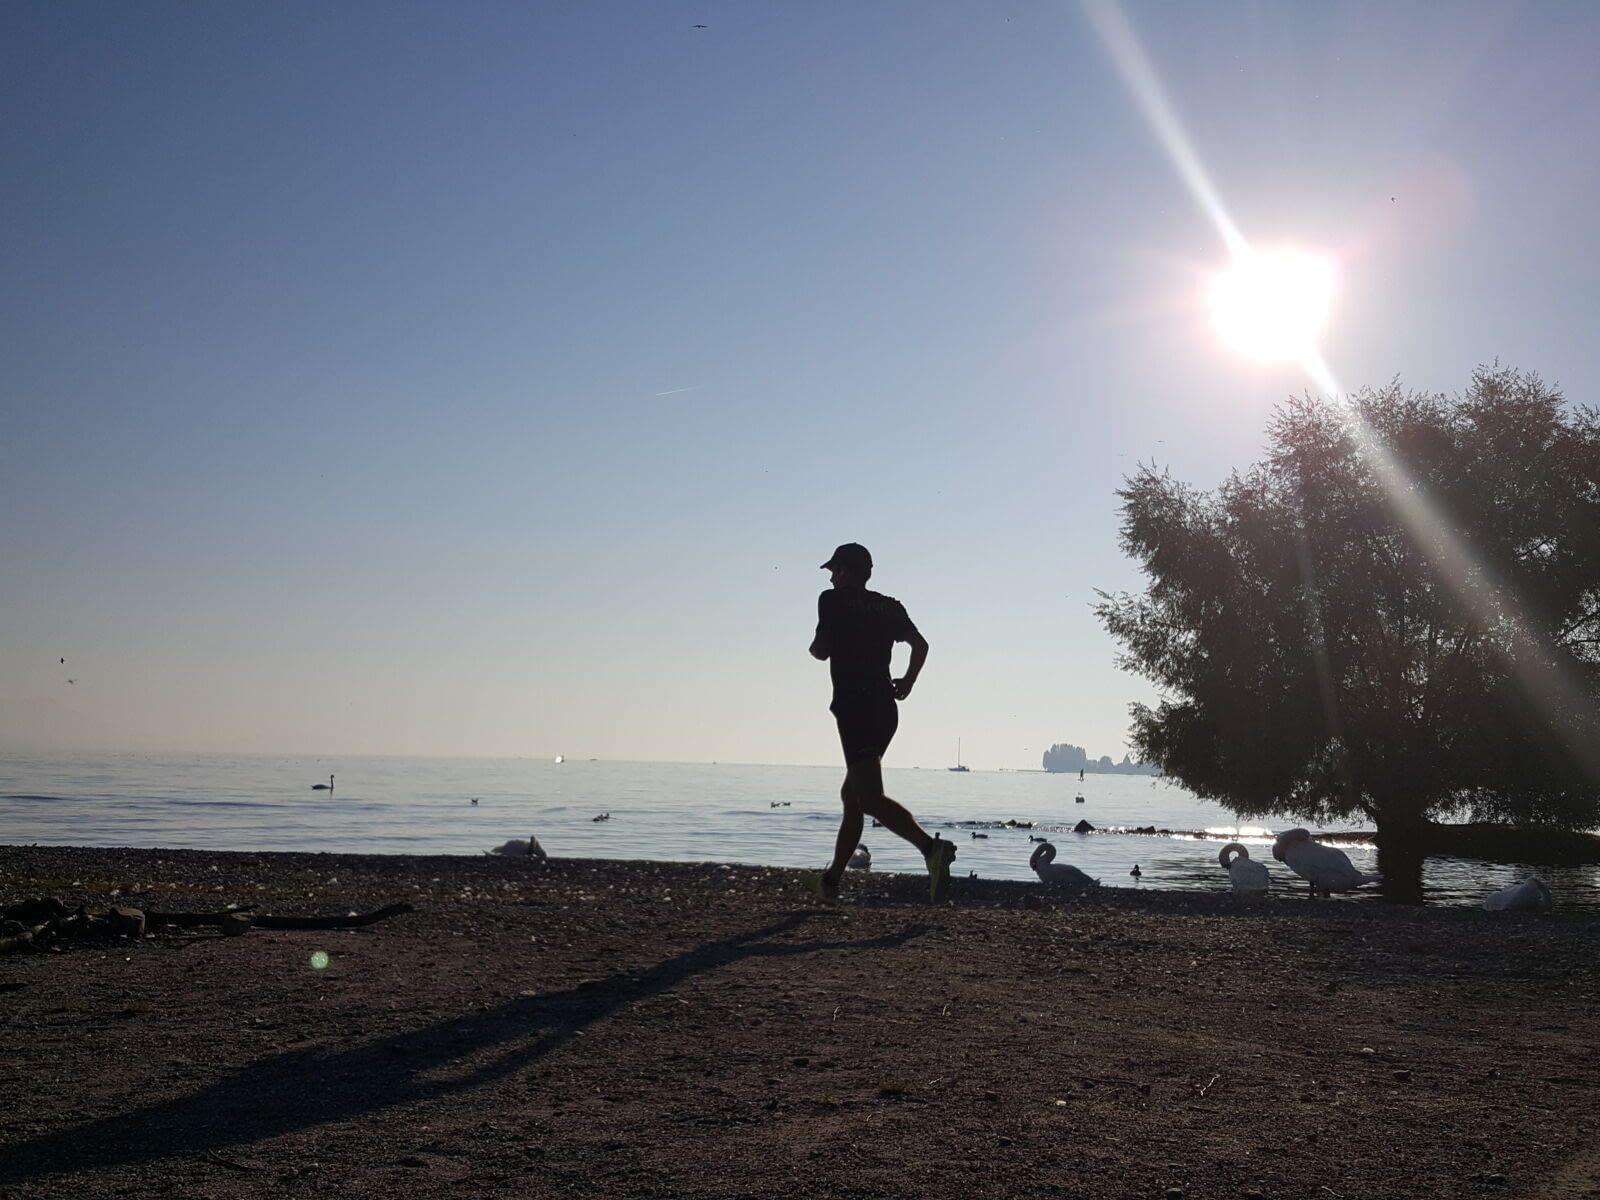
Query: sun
[1271, 304]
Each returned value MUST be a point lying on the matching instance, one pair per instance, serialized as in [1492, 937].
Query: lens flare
[1272, 304]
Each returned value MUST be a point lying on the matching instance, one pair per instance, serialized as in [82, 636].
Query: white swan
[861, 860]
[1530, 895]
[1247, 875]
[1051, 871]
[517, 848]
[1327, 870]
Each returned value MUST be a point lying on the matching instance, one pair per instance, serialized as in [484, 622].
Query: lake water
[774, 815]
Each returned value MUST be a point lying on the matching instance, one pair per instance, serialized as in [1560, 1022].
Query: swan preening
[1059, 873]
[1247, 875]
[1530, 895]
[323, 787]
[861, 860]
[517, 848]
[1327, 870]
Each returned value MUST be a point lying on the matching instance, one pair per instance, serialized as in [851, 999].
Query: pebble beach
[608, 1028]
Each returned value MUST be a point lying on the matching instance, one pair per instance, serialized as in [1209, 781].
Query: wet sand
[594, 1028]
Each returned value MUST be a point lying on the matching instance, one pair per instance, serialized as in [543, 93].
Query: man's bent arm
[821, 645]
[919, 655]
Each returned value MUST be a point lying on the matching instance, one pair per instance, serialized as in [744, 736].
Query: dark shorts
[866, 727]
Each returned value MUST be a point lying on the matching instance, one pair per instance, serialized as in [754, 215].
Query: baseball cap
[851, 554]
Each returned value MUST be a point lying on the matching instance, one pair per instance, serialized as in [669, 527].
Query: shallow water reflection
[783, 816]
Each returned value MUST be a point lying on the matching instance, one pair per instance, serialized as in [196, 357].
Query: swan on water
[1061, 873]
[1136, 873]
[1247, 874]
[323, 787]
[517, 848]
[1530, 895]
[1326, 869]
[861, 860]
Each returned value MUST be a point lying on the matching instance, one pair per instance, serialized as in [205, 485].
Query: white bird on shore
[1531, 895]
[1044, 864]
[323, 787]
[1247, 875]
[517, 848]
[1327, 870]
[861, 860]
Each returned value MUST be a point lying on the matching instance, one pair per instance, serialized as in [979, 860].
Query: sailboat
[958, 766]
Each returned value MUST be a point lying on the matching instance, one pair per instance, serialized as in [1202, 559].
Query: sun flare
[1271, 304]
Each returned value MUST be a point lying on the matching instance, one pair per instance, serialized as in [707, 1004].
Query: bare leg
[898, 820]
[863, 793]
[849, 837]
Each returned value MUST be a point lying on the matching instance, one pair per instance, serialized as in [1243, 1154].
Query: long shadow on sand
[303, 1088]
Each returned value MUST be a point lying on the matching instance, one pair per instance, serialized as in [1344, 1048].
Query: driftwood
[348, 922]
[224, 918]
[197, 920]
[23, 940]
[31, 924]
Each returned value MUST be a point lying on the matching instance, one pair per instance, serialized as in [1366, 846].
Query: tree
[1396, 615]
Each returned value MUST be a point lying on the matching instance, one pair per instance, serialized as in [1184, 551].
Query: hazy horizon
[487, 382]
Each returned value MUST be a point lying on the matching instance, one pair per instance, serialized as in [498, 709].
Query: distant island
[1066, 757]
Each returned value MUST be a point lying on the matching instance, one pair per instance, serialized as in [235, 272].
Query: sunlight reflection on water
[783, 816]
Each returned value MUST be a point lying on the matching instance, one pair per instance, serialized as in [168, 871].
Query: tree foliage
[1395, 615]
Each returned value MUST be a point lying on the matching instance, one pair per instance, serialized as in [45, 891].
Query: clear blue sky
[491, 378]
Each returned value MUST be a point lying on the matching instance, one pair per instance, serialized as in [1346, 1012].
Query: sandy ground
[609, 1029]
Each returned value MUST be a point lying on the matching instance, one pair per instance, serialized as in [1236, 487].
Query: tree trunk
[1402, 848]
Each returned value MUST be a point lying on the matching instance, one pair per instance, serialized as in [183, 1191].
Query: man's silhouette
[856, 633]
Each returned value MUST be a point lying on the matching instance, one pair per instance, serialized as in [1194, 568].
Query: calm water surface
[783, 816]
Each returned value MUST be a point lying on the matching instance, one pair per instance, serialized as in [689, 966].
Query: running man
[856, 633]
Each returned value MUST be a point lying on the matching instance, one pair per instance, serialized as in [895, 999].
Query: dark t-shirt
[862, 628]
